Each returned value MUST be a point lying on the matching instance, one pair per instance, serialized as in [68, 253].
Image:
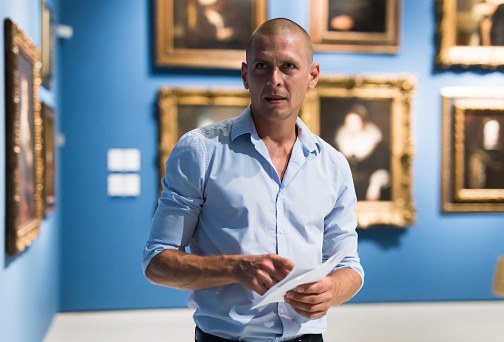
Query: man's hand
[260, 272]
[314, 300]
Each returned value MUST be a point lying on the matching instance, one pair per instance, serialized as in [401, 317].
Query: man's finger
[301, 298]
[265, 278]
[282, 263]
[314, 288]
[278, 275]
[307, 304]
[311, 288]
[308, 314]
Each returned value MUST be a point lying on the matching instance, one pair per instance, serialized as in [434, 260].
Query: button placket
[280, 220]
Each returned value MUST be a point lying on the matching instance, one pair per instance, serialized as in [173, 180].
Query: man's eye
[289, 66]
[261, 66]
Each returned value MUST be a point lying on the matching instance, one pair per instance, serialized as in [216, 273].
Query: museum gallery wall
[401, 70]
[211, 35]
[176, 66]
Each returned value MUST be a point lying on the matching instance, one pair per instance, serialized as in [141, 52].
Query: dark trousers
[202, 336]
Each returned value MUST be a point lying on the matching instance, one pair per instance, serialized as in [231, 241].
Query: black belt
[202, 336]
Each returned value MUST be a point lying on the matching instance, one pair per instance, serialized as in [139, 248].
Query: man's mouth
[274, 98]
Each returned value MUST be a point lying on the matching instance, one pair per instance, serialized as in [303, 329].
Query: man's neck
[279, 138]
[276, 133]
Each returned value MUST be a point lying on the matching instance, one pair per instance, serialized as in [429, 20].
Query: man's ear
[244, 75]
[314, 75]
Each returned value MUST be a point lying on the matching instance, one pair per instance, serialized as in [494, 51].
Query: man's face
[278, 73]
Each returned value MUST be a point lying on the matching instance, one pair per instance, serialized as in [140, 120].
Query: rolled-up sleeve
[340, 225]
[181, 199]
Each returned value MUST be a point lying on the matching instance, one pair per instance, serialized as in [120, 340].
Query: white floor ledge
[405, 322]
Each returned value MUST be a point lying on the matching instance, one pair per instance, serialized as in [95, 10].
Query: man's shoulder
[221, 128]
[199, 143]
[210, 132]
[209, 138]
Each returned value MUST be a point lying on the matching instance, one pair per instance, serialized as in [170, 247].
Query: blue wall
[109, 88]
[29, 282]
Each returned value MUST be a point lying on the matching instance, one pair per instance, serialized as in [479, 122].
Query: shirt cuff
[150, 251]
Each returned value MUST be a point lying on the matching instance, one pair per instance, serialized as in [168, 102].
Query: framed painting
[205, 33]
[368, 119]
[49, 156]
[470, 33]
[181, 110]
[473, 149]
[47, 45]
[498, 283]
[370, 26]
[24, 164]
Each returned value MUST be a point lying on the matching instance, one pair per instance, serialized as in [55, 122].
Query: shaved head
[282, 27]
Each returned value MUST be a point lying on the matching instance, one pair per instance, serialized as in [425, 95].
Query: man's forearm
[176, 269]
[183, 271]
[347, 283]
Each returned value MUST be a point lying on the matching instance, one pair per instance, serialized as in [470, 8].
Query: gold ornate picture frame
[368, 119]
[470, 33]
[47, 44]
[24, 164]
[181, 110]
[355, 25]
[498, 282]
[205, 34]
[49, 156]
[472, 174]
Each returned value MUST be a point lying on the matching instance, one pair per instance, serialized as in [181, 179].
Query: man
[253, 196]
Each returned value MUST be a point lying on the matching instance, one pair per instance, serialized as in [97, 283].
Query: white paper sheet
[299, 276]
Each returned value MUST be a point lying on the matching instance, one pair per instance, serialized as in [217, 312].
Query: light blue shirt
[222, 195]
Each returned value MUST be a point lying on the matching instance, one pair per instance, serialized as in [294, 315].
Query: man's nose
[275, 78]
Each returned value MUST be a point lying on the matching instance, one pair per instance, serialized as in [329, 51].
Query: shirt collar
[307, 138]
[244, 124]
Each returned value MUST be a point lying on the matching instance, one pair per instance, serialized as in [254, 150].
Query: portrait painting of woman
[360, 129]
